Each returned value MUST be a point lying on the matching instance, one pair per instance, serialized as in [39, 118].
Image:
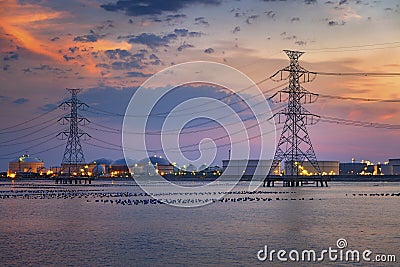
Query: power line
[106, 142]
[358, 47]
[192, 126]
[31, 140]
[114, 130]
[184, 131]
[361, 98]
[27, 121]
[48, 149]
[27, 148]
[30, 134]
[190, 108]
[257, 123]
[187, 150]
[370, 74]
[38, 152]
[335, 120]
[103, 130]
[31, 127]
[99, 146]
[326, 119]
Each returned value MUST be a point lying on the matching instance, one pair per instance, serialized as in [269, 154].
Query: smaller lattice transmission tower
[294, 146]
[73, 157]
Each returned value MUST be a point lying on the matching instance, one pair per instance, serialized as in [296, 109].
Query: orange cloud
[16, 19]
[24, 23]
[109, 45]
[387, 116]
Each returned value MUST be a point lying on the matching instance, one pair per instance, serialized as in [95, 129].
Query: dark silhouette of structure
[73, 158]
[294, 146]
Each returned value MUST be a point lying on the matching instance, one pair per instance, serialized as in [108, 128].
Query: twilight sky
[108, 48]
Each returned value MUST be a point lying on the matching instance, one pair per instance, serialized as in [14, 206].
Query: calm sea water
[46, 225]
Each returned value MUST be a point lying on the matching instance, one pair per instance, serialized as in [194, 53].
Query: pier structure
[290, 181]
[73, 180]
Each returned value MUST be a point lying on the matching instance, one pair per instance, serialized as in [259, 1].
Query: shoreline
[331, 178]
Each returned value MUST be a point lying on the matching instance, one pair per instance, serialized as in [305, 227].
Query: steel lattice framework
[73, 156]
[294, 146]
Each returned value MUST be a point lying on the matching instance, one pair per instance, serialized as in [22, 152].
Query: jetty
[73, 180]
[295, 181]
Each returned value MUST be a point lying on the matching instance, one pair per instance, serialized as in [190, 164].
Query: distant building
[53, 171]
[80, 169]
[357, 168]
[215, 168]
[248, 167]
[306, 168]
[120, 167]
[103, 162]
[154, 165]
[191, 168]
[98, 170]
[391, 167]
[25, 163]
[395, 164]
[384, 169]
[204, 169]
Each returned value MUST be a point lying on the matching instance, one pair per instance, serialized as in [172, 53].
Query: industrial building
[152, 165]
[391, 167]
[28, 166]
[357, 168]
[395, 165]
[248, 167]
[82, 169]
[190, 168]
[102, 162]
[120, 167]
[25, 163]
[306, 168]
[203, 170]
[99, 170]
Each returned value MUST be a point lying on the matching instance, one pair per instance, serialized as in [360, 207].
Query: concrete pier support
[296, 181]
[73, 180]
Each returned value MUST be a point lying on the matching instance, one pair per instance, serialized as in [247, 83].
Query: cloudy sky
[108, 48]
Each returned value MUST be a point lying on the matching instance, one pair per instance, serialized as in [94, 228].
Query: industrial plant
[28, 166]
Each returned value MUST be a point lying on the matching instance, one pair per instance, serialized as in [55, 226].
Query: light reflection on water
[82, 232]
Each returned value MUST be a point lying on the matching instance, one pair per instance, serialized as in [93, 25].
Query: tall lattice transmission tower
[73, 158]
[294, 146]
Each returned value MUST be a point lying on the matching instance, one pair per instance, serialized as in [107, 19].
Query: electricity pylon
[294, 146]
[73, 158]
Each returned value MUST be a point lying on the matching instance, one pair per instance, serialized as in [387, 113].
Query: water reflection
[44, 224]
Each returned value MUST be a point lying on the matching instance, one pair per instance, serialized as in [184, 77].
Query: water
[44, 225]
